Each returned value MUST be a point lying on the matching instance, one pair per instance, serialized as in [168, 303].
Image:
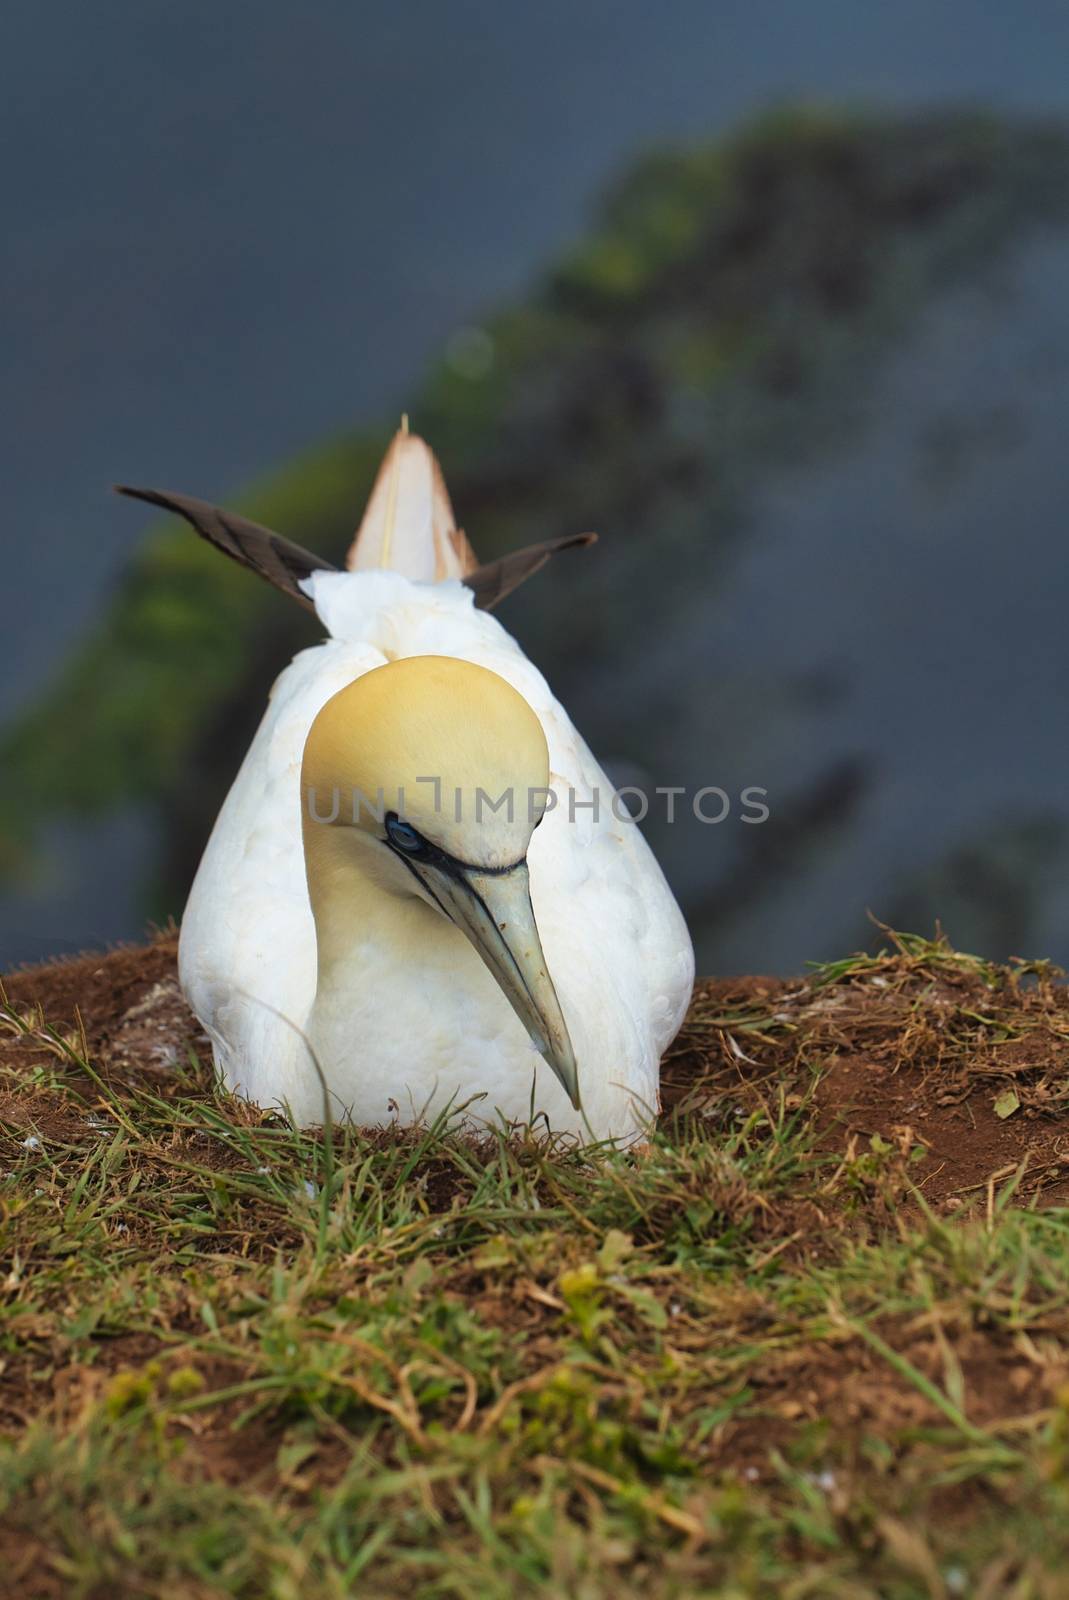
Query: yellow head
[437, 742]
[435, 771]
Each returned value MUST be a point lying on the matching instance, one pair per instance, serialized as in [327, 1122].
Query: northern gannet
[523, 960]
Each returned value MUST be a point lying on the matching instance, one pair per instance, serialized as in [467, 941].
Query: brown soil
[900, 1053]
[907, 1052]
[842, 1389]
[121, 998]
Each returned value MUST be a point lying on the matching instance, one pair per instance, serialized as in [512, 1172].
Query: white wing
[247, 957]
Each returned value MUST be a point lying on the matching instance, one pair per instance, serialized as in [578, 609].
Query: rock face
[808, 385]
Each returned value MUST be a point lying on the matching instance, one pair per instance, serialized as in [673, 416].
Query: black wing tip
[152, 497]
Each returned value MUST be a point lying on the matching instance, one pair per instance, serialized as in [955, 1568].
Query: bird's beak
[494, 909]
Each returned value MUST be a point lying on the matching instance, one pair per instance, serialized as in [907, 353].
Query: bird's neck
[356, 916]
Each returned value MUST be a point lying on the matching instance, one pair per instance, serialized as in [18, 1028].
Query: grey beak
[494, 910]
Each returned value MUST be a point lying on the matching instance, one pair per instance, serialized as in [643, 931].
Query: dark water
[230, 230]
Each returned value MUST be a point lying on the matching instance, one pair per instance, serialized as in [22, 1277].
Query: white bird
[359, 911]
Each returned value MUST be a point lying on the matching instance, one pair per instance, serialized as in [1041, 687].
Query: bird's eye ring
[403, 836]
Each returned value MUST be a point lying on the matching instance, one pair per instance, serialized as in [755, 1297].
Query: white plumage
[419, 1022]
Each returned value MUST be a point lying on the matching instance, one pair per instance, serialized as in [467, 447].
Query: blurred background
[773, 296]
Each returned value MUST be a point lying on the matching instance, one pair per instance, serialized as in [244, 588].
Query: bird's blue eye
[403, 836]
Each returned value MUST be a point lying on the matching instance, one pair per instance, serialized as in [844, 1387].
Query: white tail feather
[409, 526]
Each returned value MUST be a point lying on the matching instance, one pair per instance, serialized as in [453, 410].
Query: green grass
[240, 1360]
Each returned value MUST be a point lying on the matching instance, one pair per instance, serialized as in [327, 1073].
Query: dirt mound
[960, 1066]
[921, 1053]
[104, 993]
